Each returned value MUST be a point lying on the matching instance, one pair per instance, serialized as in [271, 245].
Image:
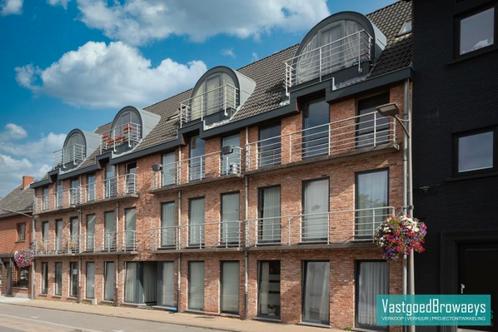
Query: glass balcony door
[168, 225]
[196, 222]
[230, 216]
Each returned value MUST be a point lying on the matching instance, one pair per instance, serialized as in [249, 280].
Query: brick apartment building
[255, 194]
[15, 234]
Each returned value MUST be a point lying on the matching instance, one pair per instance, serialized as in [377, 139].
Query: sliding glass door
[372, 280]
[316, 292]
[166, 284]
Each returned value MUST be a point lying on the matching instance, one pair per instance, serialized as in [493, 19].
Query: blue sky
[75, 63]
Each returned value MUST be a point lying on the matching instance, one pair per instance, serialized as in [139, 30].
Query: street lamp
[392, 110]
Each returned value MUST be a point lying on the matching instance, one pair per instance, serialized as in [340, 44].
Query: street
[14, 318]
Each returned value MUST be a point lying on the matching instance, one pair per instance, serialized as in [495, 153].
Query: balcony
[209, 166]
[211, 106]
[112, 188]
[126, 135]
[361, 133]
[69, 157]
[342, 226]
[320, 63]
[109, 242]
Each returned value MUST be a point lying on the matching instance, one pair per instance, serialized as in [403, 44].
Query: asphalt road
[15, 318]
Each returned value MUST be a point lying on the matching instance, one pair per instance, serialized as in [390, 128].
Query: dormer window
[74, 151]
[126, 131]
[216, 97]
[405, 28]
[339, 42]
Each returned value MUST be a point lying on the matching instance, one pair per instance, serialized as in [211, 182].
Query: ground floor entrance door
[478, 264]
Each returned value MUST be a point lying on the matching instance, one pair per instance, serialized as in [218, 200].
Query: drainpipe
[33, 243]
[179, 263]
[405, 181]
[80, 267]
[246, 228]
[117, 269]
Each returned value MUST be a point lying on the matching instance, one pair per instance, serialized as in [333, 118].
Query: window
[109, 281]
[230, 155]
[196, 285]
[216, 93]
[21, 232]
[45, 199]
[74, 150]
[73, 279]
[143, 282]
[196, 222]
[58, 279]
[44, 277]
[405, 28]
[372, 279]
[109, 231]
[44, 230]
[372, 128]
[59, 229]
[90, 233]
[197, 160]
[166, 284]
[316, 292]
[74, 192]
[169, 169]
[90, 280]
[315, 218]
[269, 215]
[315, 129]
[230, 286]
[126, 130]
[476, 31]
[230, 215]
[476, 151]
[269, 147]
[371, 202]
[73, 244]
[168, 224]
[90, 192]
[60, 194]
[130, 178]
[269, 289]
[21, 279]
[130, 228]
[110, 181]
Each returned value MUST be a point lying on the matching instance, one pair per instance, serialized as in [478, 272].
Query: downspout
[80, 215]
[33, 244]
[410, 179]
[405, 180]
[117, 269]
[246, 253]
[179, 263]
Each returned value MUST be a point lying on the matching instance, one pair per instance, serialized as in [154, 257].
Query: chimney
[26, 181]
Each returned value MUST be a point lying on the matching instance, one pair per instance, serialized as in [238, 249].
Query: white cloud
[20, 156]
[229, 52]
[62, 3]
[109, 75]
[140, 21]
[10, 7]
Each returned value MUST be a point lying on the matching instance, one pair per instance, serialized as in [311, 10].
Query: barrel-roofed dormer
[343, 45]
[129, 127]
[216, 97]
[77, 146]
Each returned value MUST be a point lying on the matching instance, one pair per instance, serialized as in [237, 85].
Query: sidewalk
[186, 319]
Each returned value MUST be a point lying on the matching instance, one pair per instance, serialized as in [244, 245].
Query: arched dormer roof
[77, 146]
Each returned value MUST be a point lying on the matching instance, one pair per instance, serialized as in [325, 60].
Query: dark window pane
[196, 163]
[372, 128]
[475, 152]
[315, 129]
[316, 292]
[269, 289]
[269, 215]
[269, 146]
[477, 31]
[373, 280]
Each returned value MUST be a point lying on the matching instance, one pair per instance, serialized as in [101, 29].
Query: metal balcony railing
[129, 133]
[222, 98]
[348, 51]
[211, 165]
[358, 133]
[129, 240]
[120, 185]
[72, 155]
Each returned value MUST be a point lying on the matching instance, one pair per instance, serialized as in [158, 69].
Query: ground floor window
[58, 278]
[269, 289]
[372, 279]
[73, 279]
[166, 284]
[44, 277]
[109, 281]
[196, 285]
[316, 292]
[90, 280]
[230, 285]
[21, 279]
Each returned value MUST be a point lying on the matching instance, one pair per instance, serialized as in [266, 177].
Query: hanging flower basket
[23, 258]
[398, 235]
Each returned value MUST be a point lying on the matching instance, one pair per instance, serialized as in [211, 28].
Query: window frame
[457, 31]
[258, 282]
[456, 154]
[304, 265]
[222, 262]
[44, 278]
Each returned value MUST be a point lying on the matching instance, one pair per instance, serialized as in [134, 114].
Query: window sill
[43, 295]
[474, 54]
[315, 325]
[268, 319]
[56, 296]
[464, 177]
[20, 241]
